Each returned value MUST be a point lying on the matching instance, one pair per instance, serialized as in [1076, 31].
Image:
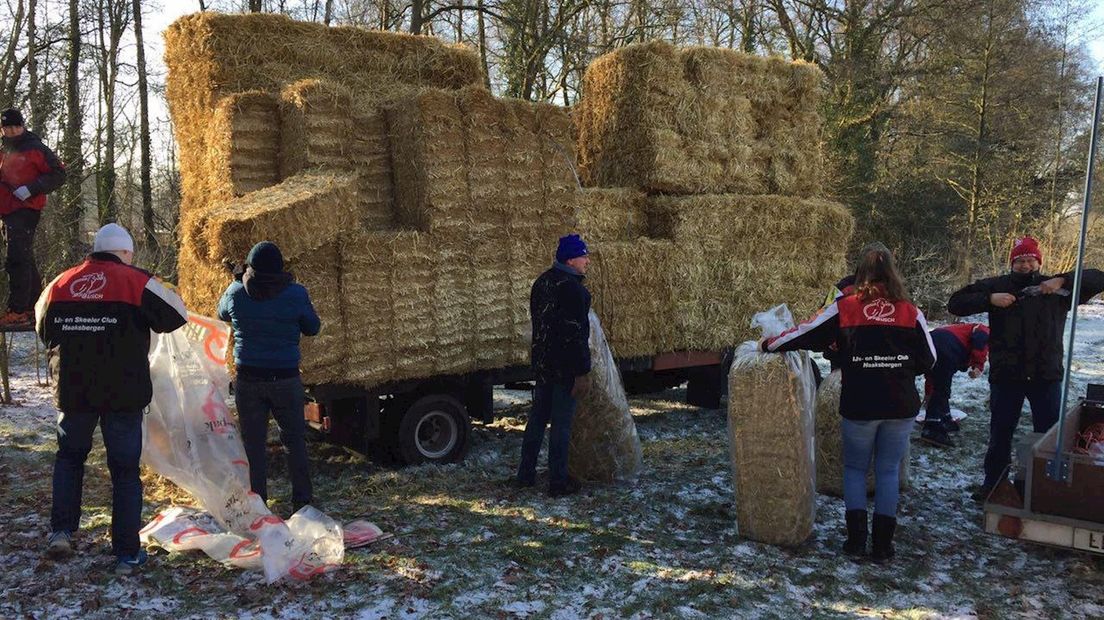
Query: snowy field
[467, 545]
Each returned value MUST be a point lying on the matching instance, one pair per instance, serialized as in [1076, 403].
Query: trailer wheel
[434, 429]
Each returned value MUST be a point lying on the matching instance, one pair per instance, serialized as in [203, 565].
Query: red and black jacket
[883, 346]
[974, 338]
[97, 317]
[25, 160]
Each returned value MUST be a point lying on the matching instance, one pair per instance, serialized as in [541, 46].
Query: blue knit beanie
[265, 257]
[571, 246]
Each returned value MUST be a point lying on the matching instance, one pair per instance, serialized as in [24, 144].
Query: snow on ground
[468, 545]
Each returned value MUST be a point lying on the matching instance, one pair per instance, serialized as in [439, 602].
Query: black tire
[434, 429]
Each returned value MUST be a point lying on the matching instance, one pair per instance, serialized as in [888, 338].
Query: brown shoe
[17, 319]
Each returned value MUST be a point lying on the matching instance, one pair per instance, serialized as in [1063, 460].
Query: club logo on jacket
[89, 286]
[879, 310]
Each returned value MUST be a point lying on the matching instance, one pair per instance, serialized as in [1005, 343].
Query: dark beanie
[265, 257]
[11, 118]
[571, 246]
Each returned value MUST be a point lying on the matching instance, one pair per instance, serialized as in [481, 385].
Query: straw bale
[323, 356]
[210, 56]
[725, 272]
[300, 214]
[367, 288]
[699, 120]
[315, 126]
[633, 295]
[604, 445]
[202, 281]
[829, 442]
[611, 214]
[254, 140]
[770, 424]
[427, 142]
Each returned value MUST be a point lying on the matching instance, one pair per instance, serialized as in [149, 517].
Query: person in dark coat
[96, 319]
[1027, 318]
[28, 171]
[883, 344]
[559, 305]
[959, 347]
[268, 312]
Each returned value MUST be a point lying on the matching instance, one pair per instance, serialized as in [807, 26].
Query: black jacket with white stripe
[883, 346]
[96, 319]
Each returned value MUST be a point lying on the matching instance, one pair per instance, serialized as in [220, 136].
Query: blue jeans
[1006, 400]
[122, 435]
[886, 442]
[284, 399]
[552, 402]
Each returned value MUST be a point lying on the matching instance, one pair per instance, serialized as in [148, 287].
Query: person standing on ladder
[28, 171]
[1027, 317]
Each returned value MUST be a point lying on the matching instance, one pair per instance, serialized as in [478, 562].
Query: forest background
[952, 127]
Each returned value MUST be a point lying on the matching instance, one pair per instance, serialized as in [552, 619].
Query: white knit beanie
[112, 238]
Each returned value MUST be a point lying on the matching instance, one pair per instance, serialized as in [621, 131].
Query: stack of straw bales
[700, 120]
[604, 445]
[770, 424]
[706, 163]
[829, 442]
[417, 208]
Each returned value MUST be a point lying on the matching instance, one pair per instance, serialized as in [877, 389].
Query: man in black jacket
[96, 319]
[559, 305]
[1027, 319]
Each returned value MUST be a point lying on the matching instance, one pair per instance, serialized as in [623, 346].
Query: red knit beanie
[1026, 247]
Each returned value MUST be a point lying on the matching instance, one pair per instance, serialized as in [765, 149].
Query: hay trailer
[1061, 513]
[429, 420]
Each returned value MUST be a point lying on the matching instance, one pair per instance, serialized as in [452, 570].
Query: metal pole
[1058, 467]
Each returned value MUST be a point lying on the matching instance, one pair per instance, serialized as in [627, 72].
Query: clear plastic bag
[604, 444]
[771, 433]
[190, 437]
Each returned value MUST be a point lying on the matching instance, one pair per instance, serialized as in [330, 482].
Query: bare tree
[71, 195]
[144, 130]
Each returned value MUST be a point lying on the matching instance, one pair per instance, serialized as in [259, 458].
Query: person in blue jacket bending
[268, 312]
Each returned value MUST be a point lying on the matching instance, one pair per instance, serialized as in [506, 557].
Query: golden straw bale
[202, 281]
[367, 289]
[210, 56]
[770, 424]
[724, 270]
[632, 293]
[604, 445]
[699, 120]
[254, 140]
[829, 443]
[323, 356]
[611, 214]
[315, 126]
[300, 214]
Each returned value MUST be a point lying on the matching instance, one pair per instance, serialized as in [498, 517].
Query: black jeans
[284, 399]
[950, 356]
[122, 436]
[24, 281]
[552, 403]
[1006, 402]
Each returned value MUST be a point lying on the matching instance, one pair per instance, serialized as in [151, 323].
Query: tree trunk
[71, 218]
[328, 14]
[483, 45]
[144, 131]
[33, 121]
[748, 28]
[255, 6]
[417, 10]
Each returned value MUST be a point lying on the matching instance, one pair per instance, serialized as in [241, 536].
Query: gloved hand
[22, 192]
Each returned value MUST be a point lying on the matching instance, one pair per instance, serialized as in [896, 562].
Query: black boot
[881, 544]
[856, 532]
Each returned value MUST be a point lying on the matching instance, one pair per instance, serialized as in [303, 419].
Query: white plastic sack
[190, 437]
[604, 444]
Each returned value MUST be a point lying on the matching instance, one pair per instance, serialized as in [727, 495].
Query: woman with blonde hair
[883, 346]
